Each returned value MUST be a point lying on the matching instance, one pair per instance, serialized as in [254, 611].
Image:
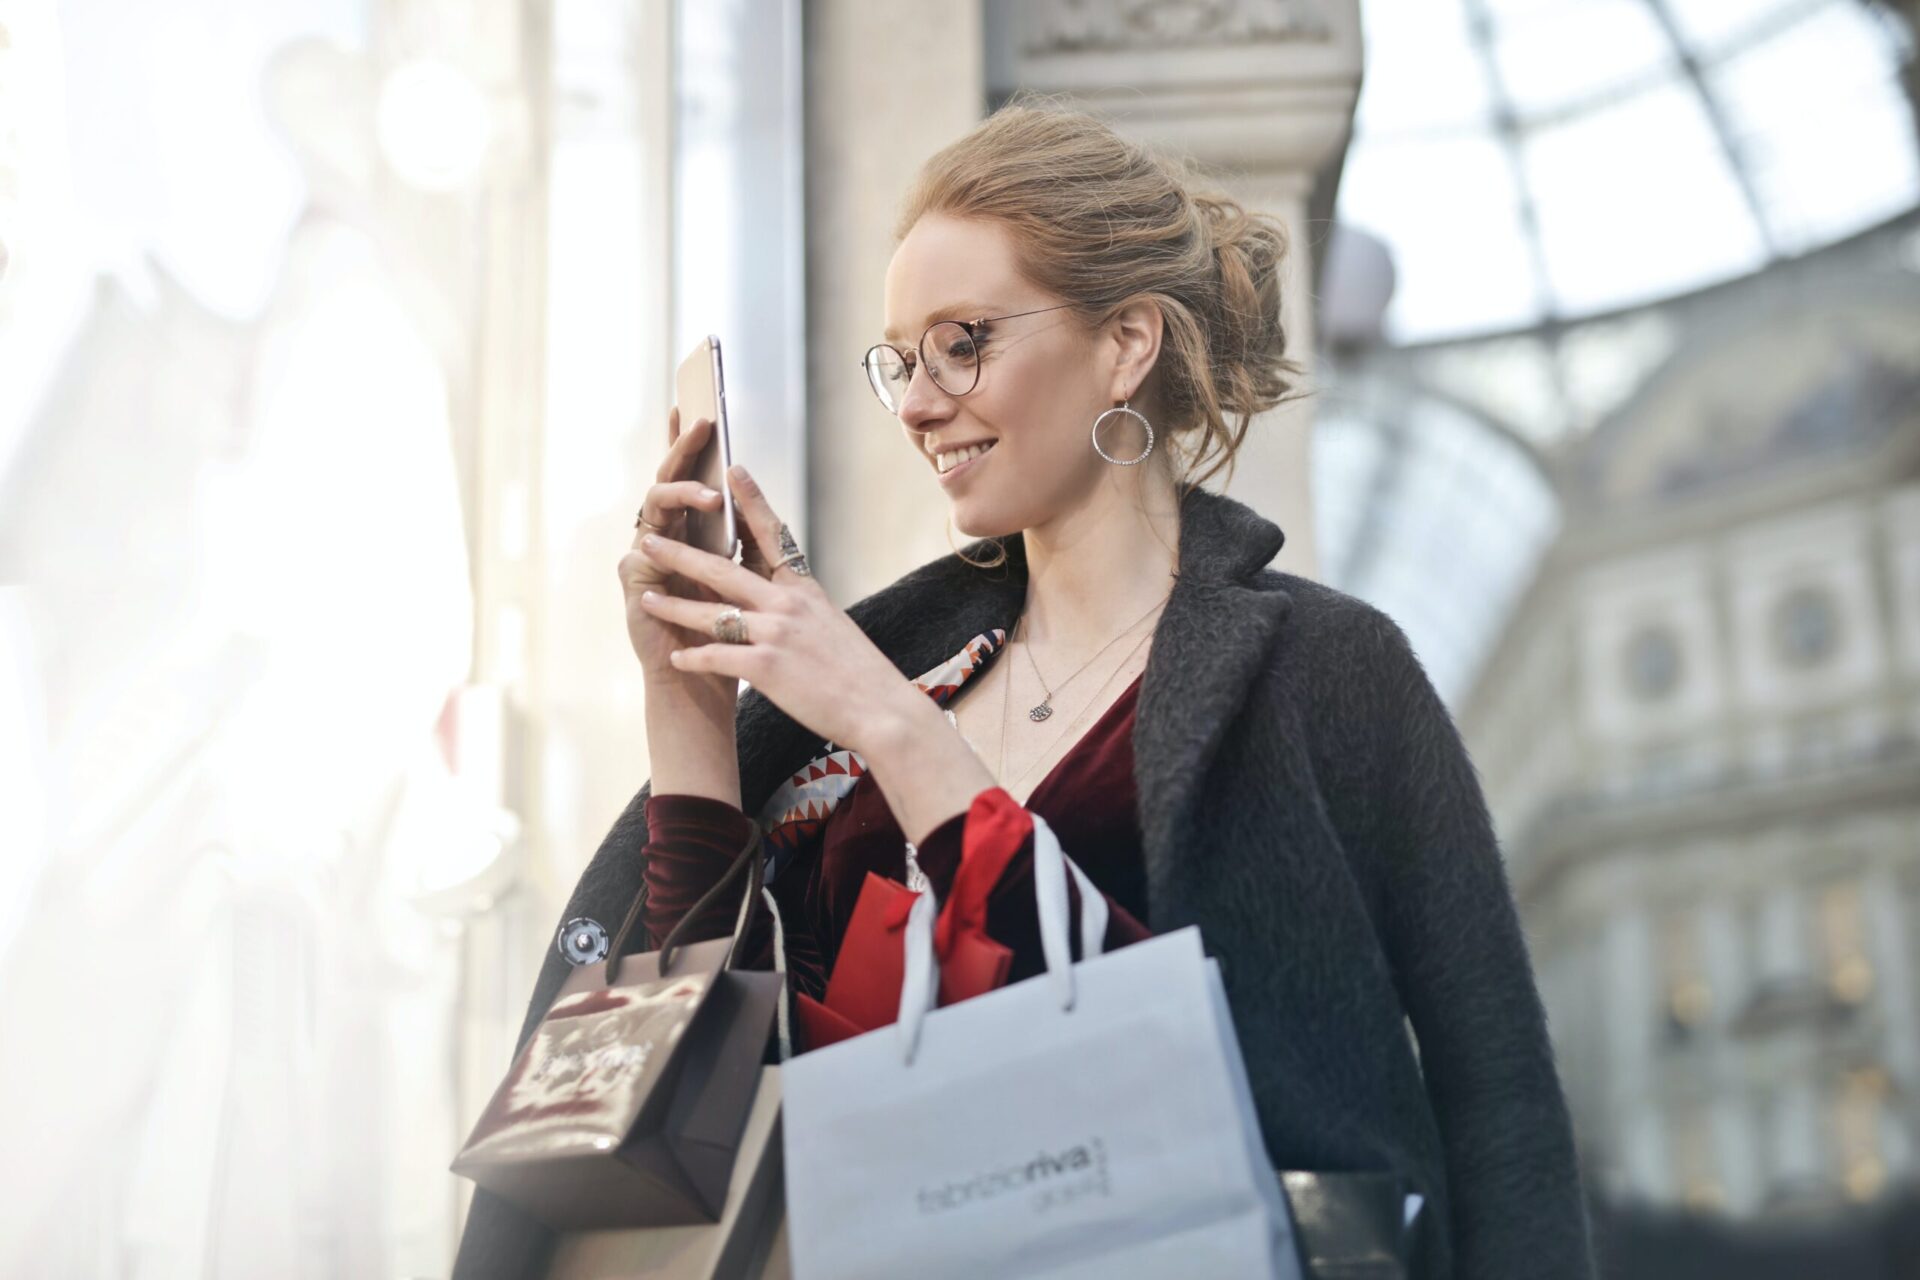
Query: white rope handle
[1051, 866]
[780, 967]
[920, 986]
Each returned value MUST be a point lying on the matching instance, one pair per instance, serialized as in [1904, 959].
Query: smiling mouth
[946, 462]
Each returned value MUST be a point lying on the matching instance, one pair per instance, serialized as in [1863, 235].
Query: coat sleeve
[691, 842]
[500, 1241]
[1453, 937]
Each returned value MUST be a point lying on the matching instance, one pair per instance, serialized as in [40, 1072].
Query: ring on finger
[790, 554]
[730, 626]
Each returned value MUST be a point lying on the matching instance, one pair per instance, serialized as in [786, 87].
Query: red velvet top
[1088, 798]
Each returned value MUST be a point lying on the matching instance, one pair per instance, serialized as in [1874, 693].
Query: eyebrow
[951, 311]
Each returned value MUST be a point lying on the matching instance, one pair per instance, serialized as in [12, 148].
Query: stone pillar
[1629, 1004]
[1890, 941]
[1783, 956]
[1737, 1151]
[1261, 94]
[1799, 1161]
[887, 86]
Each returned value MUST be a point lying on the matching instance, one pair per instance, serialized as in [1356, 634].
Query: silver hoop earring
[1123, 462]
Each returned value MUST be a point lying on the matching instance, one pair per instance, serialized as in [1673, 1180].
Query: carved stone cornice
[1254, 86]
[1076, 26]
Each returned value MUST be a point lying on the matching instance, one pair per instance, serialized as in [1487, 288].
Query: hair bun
[1246, 336]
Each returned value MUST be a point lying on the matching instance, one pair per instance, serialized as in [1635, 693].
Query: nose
[925, 405]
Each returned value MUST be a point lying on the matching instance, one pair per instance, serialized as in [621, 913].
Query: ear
[1135, 333]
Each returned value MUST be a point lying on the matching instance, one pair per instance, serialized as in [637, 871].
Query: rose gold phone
[700, 389]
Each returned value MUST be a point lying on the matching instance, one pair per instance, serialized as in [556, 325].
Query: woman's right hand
[665, 512]
[690, 714]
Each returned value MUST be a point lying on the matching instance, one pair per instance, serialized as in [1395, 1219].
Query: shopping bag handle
[752, 857]
[920, 984]
[1050, 868]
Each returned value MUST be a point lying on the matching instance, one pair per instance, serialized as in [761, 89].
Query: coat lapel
[1210, 645]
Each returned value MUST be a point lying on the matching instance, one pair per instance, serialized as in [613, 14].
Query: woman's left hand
[802, 651]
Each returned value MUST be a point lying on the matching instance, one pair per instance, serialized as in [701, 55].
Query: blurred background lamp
[1357, 288]
[433, 124]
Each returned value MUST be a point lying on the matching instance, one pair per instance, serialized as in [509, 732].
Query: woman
[1217, 743]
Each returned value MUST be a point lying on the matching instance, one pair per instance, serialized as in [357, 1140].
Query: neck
[1096, 567]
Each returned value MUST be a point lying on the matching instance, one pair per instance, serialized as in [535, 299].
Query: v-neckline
[1047, 779]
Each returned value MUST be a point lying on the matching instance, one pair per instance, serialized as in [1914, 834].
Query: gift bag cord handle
[752, 858]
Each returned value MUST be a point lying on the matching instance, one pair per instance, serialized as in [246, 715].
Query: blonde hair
[1101, 222]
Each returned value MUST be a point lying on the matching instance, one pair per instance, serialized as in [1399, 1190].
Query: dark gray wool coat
[1305, 799]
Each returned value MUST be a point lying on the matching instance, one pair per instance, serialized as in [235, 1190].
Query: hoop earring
[1123, 462]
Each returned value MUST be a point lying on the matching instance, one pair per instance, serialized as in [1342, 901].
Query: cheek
[1047, 446]
[1039, 428]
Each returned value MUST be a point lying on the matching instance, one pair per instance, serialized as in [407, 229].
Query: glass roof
[1424, 510]
[1528, 161]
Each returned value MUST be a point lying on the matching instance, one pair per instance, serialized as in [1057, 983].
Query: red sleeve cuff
[691, 841]
[674, 818]
[939, 853]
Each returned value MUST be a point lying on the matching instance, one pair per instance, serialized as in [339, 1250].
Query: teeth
[948, 461]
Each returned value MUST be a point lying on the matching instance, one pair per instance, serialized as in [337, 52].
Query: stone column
[1261, 93]
[1628, 1007]
[887, 86]
[1890, 941]
[1783, 954]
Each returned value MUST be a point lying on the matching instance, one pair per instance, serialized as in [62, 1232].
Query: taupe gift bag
[744, 1245]
[627, 1105]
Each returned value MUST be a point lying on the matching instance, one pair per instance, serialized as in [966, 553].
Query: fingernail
[651, 541]
[709, 493]
[649, 596]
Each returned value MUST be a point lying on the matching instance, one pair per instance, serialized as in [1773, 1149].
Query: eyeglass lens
[952, 359]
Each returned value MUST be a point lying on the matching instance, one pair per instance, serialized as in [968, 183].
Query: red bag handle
[997, 828]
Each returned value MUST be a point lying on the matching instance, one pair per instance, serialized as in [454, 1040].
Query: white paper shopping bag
[1094, 1120]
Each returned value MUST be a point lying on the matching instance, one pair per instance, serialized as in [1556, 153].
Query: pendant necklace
[1000, 769]
[1044, 708]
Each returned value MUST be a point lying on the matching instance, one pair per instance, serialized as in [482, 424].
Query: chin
[971, 522]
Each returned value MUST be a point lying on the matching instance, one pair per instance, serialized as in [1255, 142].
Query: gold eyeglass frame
[921, 356]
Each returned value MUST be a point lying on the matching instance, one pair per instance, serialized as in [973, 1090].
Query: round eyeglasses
[950, 350]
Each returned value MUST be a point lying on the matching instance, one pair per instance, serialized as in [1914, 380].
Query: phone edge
[728, 514]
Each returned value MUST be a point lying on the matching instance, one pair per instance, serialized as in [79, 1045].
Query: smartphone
[700, 389]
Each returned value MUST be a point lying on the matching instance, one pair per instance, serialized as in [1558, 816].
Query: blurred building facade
[1700, 733]
[1625, 431]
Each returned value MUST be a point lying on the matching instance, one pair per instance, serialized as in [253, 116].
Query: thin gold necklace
[1044, 708]
[1091, 703]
